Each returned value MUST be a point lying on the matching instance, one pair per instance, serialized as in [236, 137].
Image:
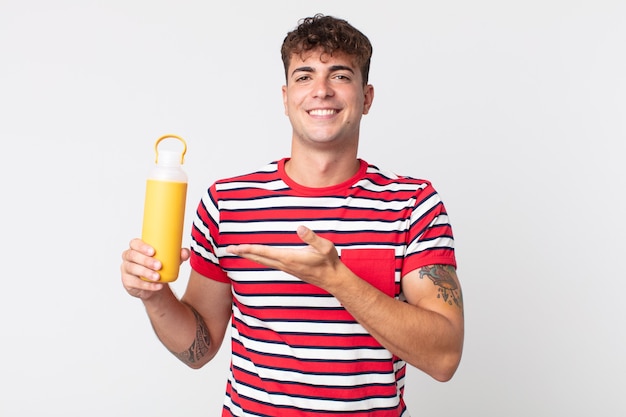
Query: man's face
[325, 98]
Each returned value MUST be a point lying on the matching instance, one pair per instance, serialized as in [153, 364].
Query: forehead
[320, 58]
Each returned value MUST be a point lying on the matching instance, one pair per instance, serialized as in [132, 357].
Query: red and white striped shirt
[295, 350]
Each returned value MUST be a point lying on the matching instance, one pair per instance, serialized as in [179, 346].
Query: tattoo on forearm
[443, 277]
[200, 345]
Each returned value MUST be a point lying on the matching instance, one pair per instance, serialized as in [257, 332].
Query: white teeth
[322, 112]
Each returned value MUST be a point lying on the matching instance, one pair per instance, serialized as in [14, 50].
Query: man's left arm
[426, 331]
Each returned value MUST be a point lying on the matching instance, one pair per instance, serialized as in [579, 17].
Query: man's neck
[321, 170]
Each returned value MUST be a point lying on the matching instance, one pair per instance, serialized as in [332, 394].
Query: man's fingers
[319, 244]
[141, 246]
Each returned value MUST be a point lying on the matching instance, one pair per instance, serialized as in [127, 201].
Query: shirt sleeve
[431, 240]
[204, 238]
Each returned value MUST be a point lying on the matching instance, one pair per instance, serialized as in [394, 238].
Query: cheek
[291, 104]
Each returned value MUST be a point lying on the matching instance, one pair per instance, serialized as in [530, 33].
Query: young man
[335, 273]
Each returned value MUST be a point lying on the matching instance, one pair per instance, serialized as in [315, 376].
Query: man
[333, 273]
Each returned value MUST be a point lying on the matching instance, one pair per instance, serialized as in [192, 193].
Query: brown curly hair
[331, 35]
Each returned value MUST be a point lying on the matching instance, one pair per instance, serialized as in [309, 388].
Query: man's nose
[322, 88]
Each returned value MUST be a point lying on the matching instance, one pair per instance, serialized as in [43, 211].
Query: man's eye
[303, 78]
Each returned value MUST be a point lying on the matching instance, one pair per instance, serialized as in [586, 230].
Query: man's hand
[140, 270]
[316, 264]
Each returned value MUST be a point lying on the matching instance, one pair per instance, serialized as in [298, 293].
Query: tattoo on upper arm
[200, 345]
[443, 277]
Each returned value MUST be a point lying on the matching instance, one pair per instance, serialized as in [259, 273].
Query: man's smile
[322, 112]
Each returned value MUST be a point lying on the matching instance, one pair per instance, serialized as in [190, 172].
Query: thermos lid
[169, 157]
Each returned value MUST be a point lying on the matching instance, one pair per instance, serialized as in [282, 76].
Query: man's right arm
[193, 327]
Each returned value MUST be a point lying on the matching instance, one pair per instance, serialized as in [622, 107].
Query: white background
[516, 110]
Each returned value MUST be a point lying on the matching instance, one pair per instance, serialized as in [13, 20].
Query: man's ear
[284, 89]
[368, 93]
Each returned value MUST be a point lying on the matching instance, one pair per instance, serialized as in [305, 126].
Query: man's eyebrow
[332, 69]
[341, 68]
[303, 69]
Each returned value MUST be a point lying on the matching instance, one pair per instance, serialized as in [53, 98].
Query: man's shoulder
[265, 173]
[385, 176]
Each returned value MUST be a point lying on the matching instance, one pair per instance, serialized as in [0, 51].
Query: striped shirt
[295, 350]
